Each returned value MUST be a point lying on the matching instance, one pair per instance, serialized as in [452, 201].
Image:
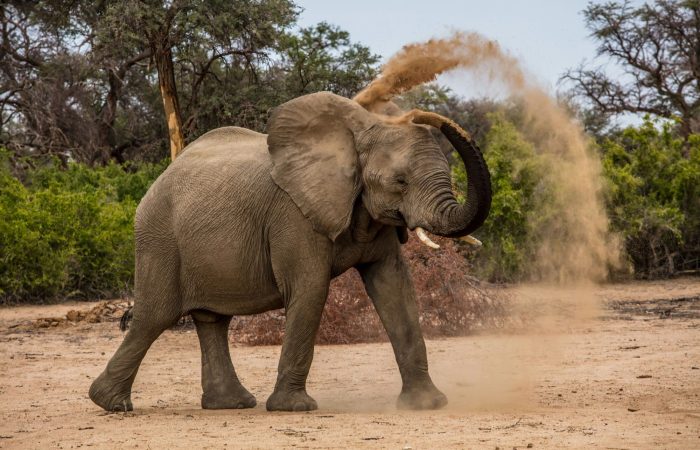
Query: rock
[103, 311]
[73, 315]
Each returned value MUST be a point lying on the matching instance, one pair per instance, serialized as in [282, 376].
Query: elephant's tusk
[469, 239]
[425, 239]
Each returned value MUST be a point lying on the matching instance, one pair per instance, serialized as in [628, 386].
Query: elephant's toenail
[299, 406]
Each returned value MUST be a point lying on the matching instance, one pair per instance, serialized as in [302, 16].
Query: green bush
[113, 180]
[518, 177]
[652, 200]
[69, 233]
[654, 197]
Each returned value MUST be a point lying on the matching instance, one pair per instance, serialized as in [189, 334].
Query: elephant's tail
[126, 318]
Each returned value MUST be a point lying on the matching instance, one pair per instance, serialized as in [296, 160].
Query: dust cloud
[576, 247]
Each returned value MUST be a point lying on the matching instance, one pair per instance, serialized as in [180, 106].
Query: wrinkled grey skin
[243, 223]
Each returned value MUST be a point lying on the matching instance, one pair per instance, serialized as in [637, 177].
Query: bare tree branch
[657, 47]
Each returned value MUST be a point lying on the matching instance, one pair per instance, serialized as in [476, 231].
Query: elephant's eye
[400, 180]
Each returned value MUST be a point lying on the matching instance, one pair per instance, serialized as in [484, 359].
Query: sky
[548, 36]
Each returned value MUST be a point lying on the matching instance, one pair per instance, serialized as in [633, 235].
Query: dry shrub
[450, 302]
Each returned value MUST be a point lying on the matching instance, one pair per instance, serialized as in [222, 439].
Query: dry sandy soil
[627, 379]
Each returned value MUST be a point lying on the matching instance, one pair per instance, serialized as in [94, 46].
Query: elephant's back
[228, 161]
[223, 173]
[223, 169]
[224, 147]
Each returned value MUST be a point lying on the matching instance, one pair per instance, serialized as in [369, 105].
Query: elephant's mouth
[420, 232]
[393, 217]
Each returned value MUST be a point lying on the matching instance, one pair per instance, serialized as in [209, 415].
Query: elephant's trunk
[450, 218]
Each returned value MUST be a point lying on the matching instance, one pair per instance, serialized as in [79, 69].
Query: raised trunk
[452, 219]
[166, 79]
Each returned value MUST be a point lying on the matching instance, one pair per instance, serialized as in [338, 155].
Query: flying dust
[576, 247]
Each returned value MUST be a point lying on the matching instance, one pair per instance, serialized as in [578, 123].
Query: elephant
[242, 223]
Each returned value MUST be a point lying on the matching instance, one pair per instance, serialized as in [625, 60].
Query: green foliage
[654, 197]
[518, 177]
[112, 180]
[322, 58]
[85, 84]
[69, 233]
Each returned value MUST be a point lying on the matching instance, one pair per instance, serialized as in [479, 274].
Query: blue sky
[548, 36]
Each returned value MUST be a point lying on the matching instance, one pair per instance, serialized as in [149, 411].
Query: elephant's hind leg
[220, 384]
[112, 389]
[157, 307]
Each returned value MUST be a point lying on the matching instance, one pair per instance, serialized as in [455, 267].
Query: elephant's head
[328, 150]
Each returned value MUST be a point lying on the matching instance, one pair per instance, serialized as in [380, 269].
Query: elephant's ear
[313, 145]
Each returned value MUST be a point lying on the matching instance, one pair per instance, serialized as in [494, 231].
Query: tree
[658, 49]
[218, 27]
[654, 197]
[38, 99]
[322, 58]
[62, 91]
[94, 85]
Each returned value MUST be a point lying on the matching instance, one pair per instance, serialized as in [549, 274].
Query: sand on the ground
[626, 380]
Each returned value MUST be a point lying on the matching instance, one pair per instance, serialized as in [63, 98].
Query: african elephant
[243, 223]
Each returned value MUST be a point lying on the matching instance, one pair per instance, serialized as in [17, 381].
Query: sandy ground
[629, 379]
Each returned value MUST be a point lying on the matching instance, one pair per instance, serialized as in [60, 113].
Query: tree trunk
[107, 147]
[166, 79]
[107, 116]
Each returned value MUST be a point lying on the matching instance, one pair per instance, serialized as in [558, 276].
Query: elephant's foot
[421, 397]
[291, 401]
[111, 396]
[235, 397]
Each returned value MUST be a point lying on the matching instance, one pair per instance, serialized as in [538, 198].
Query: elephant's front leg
[304, 286]
[389, 285]
[303, 318]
